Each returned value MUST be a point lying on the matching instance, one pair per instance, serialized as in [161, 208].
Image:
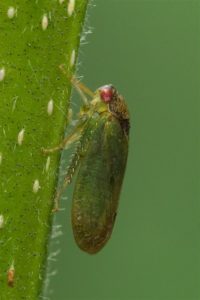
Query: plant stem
[36, 38]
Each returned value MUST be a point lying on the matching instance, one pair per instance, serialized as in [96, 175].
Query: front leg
[51, 150]
[64, 144]
[79, 86]
[68, 140]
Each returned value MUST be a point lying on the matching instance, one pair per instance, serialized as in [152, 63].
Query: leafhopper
[99, 160]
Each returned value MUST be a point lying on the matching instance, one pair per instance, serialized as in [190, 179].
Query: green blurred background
[150, 51]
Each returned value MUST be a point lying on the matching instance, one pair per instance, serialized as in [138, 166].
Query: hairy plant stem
[36, 38]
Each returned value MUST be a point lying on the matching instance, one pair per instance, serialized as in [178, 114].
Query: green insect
[99, 160]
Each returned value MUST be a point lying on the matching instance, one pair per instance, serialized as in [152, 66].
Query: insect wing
[98, 185]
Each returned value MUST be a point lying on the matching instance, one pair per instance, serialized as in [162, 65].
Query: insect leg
[68, 140]
[80, 87]
[82, 90]
[68, 178]
[77, 156]
[59, 194]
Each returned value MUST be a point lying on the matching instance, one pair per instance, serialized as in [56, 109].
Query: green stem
[36, 38]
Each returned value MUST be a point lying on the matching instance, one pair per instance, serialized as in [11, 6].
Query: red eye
[106, 93]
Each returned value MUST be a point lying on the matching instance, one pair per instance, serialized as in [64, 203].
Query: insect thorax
[119, 108]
